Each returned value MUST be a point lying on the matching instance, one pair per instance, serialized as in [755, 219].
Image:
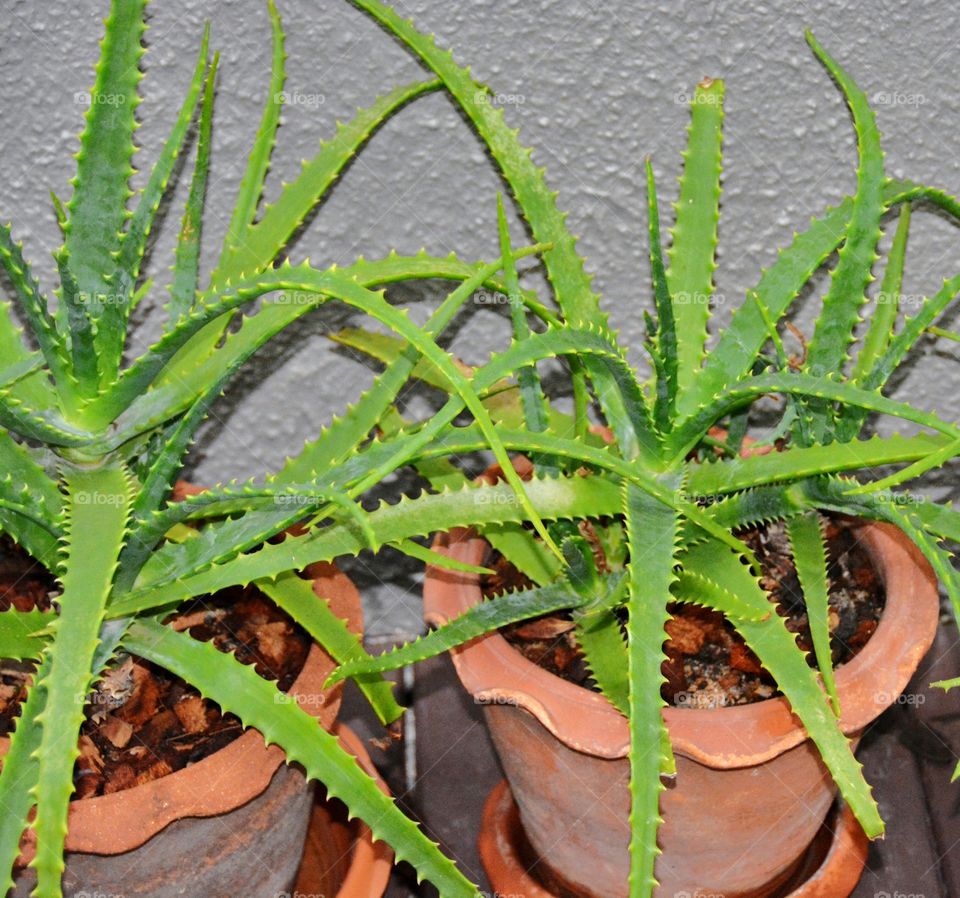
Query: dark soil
[708, 664]
[141, 722]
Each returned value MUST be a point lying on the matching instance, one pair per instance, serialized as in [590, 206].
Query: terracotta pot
[830, 869]
[751, 791]
[231, 824]
[341, 859]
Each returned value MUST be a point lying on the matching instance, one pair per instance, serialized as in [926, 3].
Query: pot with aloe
[679, 669]
[164, 714]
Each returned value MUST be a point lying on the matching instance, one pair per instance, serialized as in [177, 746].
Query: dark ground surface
[445, 767]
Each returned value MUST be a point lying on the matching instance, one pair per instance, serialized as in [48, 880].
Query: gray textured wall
[598, 86]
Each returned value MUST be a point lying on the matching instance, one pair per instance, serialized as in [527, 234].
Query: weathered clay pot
[231, 824]
[751, 791]
[341, 859]
[830, 869]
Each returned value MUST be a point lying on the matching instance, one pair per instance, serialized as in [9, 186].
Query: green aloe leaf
[258, 162]
[186, 268]
[884, 318]
[566, 497]
[840, 312]
[19, 637]
[19, 775]
[666, 343]
[652, 531]
[97, 211]
[695, 233]
[483, 618]
[810, 557]
[99, 503]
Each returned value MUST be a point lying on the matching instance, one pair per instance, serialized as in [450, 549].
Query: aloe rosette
[673, 489]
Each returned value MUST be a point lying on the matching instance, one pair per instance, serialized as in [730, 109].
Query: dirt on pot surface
[142, 722]
[708, 664]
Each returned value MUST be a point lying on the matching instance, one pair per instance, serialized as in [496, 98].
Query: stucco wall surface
[595, 86]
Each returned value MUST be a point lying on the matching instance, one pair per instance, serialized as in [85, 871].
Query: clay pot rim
[224, 780]
[724, 738]
[370, 862]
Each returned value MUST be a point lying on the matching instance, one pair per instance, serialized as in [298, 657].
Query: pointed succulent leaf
[777, 650]
[810, 557]
[567, 497]
[186, 268]
[740, 342]
[18, 775]
[884, 317]
[665, 344]
[690, 432]
[652, 531]
[33, 304]
[97, 211]
[134, 240]
[483, 618]
[98, 505]
[346, 432]
[428, 556]
[19, 637]
[913, 328]
[531, 391]
[34, 389]
[315, 285]
[78, 329]
[695, 233]
[280, 220]
[24, 480]
[698, 588]
[729, 475]
[716, 562]
[601, 639]
[525, 551]
[565, 269]
[258, 163]
[836, 325]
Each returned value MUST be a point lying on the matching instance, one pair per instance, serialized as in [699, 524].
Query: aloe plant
[667, 496]
[92, 440]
